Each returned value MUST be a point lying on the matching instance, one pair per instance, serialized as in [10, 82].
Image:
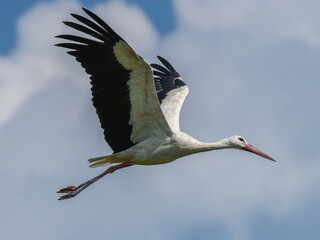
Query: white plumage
[172, 104]
[138, 112]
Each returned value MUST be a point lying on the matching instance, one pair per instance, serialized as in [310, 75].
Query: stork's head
[239, 142]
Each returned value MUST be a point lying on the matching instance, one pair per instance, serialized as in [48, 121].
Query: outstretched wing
[171, 91]
[123, 88]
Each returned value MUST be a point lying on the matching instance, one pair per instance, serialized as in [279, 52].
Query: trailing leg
[72, 191]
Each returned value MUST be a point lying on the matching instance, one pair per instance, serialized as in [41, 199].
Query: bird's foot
[71, 191]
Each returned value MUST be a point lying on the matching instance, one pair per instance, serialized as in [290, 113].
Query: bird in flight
[138, 107]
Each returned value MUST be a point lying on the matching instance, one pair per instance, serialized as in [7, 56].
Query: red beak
[252, 149]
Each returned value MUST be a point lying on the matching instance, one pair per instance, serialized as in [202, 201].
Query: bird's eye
[241, 139]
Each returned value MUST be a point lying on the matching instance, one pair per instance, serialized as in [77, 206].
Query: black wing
[127, 106]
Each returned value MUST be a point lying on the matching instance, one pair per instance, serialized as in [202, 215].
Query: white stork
[138, 112]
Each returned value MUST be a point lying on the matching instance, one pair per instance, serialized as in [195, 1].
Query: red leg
[73, 191]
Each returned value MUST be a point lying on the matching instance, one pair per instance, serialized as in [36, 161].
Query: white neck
[203, 147]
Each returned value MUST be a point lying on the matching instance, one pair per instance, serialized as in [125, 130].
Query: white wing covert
[171, 91]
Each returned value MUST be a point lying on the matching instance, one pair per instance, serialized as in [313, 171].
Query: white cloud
[131, 23]
[263, 19]
[36, 61]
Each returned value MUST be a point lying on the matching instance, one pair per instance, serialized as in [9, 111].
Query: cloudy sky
[253, 69]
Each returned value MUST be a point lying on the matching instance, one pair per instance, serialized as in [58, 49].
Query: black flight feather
[166, 79]
[110, 91]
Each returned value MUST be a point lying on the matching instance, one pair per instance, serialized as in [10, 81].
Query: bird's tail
[103, 161]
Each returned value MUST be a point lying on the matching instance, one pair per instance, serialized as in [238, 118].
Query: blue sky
[159, 12]
[252, 68]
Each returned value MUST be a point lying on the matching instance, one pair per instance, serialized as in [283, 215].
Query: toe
[68, 189]
[67, 196]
